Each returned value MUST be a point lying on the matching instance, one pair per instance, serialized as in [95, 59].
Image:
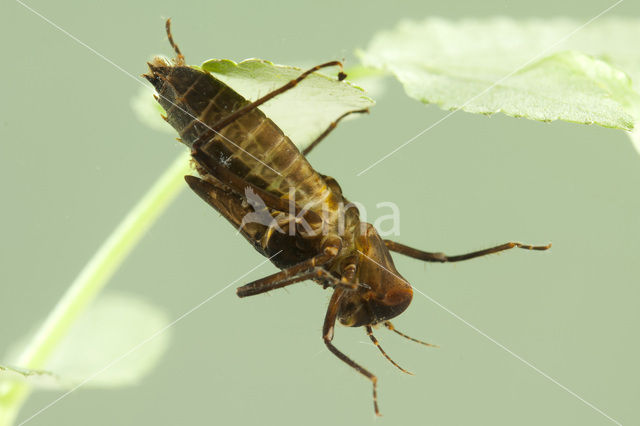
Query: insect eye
[392, 305]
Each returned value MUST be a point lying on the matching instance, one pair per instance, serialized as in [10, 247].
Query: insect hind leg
[443, 258]
[221, 124]
[329, 129]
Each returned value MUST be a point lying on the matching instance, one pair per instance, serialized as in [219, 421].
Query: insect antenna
[180, 56]
[392, 328]
[375, 342]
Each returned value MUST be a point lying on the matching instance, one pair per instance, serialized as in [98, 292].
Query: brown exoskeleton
[250, 170]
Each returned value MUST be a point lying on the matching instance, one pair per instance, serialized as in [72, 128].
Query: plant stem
[91, 280]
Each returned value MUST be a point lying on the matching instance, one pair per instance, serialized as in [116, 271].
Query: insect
[252, 174]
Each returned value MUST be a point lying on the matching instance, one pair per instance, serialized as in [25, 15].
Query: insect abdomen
[253, 147]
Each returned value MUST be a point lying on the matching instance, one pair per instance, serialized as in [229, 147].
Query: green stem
[90, 281]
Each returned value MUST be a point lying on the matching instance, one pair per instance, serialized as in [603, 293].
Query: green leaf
[302, 112]
[370, 79]
[544, 70]
[38, 378]
[115, 325]
[114, 343]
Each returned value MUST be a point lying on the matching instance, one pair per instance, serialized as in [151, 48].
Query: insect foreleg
[442, 258]
[327, 336]
[276, 225]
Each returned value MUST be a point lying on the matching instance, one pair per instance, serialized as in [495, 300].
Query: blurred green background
[74, 159]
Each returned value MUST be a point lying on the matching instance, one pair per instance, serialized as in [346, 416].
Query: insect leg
[274, 281]
[304, 270]
[392, 328]
[255, 104]
[332, 126]
[239, 185]
[442, 258]
[179, 55]
[327, 336]
[375, 342]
